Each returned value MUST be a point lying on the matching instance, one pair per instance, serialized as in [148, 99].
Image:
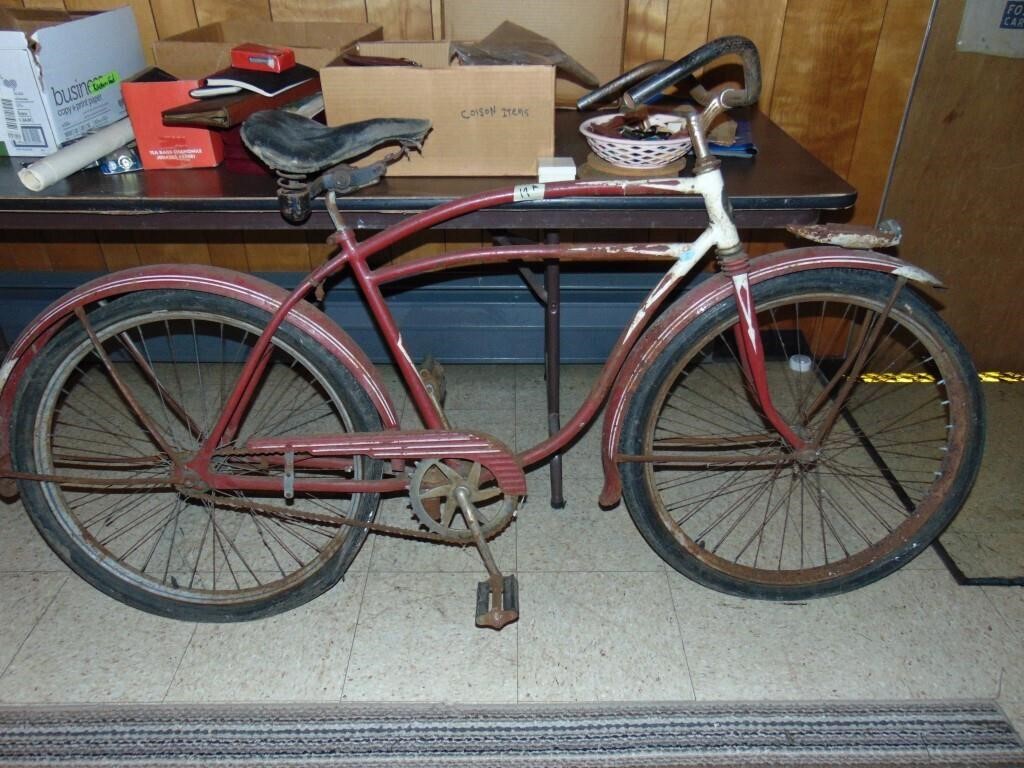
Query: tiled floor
[602, 617]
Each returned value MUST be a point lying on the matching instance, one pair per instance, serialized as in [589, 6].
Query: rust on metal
[850, 235]
[140, 413]
[494, 455]
[703, 297]
[243, 287]
[745, 460]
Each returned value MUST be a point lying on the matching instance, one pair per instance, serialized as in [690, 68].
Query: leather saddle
[296, 146]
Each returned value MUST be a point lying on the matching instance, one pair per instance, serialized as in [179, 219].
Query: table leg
[552, 364]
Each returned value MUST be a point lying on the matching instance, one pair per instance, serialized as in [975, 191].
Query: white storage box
[62, 75]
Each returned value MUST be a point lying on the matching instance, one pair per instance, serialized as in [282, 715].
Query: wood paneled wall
[837, 74]
[956, 190]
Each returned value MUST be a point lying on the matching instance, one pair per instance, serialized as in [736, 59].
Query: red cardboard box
[262, 58]
[165, 146]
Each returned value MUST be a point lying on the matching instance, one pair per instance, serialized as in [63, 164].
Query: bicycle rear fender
[204, 279]
[701, 298]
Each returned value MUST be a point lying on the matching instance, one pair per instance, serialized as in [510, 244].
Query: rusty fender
[197, 278]
[705, 296]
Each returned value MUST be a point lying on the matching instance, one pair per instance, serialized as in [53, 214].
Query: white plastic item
[800, 363]
[628, 153]
[551, 169]
[61, 164]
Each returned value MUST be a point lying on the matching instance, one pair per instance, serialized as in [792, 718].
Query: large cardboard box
[591, 31]
[61, 75]
[487, 121]
[202, 51]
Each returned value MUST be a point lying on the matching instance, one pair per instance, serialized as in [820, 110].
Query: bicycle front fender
[703, 297]
[198, 278]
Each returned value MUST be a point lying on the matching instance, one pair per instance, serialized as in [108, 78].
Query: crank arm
[497, 598]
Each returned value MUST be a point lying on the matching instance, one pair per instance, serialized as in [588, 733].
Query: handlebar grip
[694, 60]
[614, 87]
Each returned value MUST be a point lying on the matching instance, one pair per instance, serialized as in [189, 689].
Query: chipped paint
[665, 250]
[5, 371]
[682, 185]
[687, 256]
[918, 275]
[746, 305]
[712, 188]
[848, 235]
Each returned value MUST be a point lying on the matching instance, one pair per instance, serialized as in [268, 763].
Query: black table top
[783, 184]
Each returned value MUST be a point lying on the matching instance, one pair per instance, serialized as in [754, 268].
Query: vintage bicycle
[201, 444]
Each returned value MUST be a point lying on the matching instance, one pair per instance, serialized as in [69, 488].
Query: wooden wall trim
[836, 77]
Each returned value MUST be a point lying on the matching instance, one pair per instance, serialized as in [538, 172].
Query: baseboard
[468, 318]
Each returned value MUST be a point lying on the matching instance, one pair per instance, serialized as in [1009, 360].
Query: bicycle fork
[733, 261]
[750, 347]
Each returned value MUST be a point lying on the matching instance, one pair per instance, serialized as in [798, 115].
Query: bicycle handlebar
[669, 73]
[694, 60]
[614, 87]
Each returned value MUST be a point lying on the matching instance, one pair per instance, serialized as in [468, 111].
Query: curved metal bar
[694, 60]
[615, 87]
[240, 286]
[710, 292]
[508, 253]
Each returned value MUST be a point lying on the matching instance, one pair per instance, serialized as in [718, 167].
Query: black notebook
[263, 83]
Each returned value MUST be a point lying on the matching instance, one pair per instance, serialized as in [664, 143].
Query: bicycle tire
[884, 484]
[153, 548]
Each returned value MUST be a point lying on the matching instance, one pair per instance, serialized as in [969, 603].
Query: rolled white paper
[64, 162]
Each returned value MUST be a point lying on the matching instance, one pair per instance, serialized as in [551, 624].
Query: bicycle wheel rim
[883, 486]
[221, 573]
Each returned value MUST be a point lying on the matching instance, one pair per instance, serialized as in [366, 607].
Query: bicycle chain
[313, 517]
[270, 509]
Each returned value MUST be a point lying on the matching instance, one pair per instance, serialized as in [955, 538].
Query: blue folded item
[743, 146]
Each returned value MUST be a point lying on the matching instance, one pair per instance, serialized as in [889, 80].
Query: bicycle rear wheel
[216, 557]
[717, 494]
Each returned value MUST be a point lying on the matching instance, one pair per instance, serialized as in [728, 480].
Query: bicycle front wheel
[717, 493]
[113, 516]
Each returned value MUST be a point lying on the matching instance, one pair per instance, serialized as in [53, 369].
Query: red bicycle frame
[721, 234]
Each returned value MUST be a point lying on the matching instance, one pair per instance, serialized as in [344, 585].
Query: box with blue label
[61, 75]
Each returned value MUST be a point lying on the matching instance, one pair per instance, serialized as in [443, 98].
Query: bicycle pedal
[496, 611]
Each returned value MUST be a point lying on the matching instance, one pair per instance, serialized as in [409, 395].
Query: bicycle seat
[292, 143]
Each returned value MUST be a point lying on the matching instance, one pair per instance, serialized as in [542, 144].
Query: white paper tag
[524, 192]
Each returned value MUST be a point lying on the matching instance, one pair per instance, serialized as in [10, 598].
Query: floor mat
[986, 540]
[556, 736]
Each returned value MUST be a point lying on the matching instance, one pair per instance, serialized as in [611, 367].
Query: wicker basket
[627, 153]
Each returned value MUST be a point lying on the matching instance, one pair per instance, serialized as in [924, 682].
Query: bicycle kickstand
[497, 598]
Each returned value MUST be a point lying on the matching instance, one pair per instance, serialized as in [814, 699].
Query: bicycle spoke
[136, 391]
[735, 498]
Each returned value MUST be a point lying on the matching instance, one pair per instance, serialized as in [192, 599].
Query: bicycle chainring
[432, 495]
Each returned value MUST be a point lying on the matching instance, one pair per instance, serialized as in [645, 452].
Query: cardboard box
[202, 51]
[591, 31]
[163, 147]
[61, 75]
[488, 121]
